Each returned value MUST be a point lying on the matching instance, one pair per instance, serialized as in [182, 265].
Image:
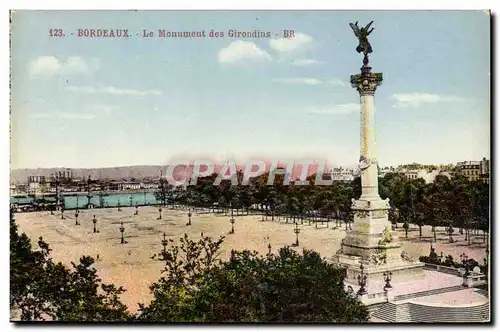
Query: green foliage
[287, 287]
[41, 289]
[459, 201]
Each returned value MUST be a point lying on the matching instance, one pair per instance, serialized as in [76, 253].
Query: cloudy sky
[99, 102]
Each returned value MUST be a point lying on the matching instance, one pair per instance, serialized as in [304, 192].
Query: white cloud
[44, 65]
[336, 109]
[309, 81]
[337, 81]
[304, 62]
[64, 116]
[112, 90]
[240, 50]
[290, 44]
[51, 66]
[415, 99]
[299, 80]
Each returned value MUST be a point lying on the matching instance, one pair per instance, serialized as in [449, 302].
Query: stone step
[417, 313]
[403, 313]
[428, 293]
[386, 312]
[426, 314]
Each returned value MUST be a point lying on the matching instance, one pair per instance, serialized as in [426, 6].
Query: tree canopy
[41, 289]
[196, 286]
[286, 287]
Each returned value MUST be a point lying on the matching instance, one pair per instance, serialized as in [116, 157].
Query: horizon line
[237, 164]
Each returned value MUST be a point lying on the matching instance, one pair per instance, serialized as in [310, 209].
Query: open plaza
[130, 264]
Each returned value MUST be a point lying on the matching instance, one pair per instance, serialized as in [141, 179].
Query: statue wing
[355, 29]
[368, 26]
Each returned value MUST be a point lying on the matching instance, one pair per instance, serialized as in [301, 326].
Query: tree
[184, 270]
[26, 276]
[287, 287]
[41, 289]
[164, 191]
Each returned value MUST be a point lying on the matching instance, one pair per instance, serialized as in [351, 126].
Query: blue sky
[80, 102]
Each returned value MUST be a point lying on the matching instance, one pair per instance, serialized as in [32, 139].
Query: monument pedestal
[373, 244]
[401, 271]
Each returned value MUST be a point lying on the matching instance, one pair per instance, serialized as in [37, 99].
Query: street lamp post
[465, 262]
[387, 279]
[232, 221]
[450, 233]
[122, 229]
[159, 212]
[362, 281]
[57, 194]
[94, 221]
[485, 260]
[89, 195]
[467, 233]
[296, 231]
[164, 243]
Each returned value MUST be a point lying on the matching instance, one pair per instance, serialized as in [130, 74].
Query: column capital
[366, 83]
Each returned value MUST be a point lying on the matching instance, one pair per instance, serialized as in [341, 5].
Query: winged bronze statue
[362, 34]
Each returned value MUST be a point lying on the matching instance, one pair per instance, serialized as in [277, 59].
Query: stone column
[371, 239]
[366, 83]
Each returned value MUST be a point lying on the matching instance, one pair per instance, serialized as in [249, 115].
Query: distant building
[62, 176]
[129, 185]
[475, 170]
[40, 179]
[342, 174]
[382, 172]
[20, 188]
[485, 166]
[36, 183]
[425, 174]
[150, 185]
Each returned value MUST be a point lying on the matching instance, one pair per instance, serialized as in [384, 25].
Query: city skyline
[94, 103]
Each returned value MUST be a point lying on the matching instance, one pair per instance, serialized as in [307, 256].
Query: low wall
[443, 269]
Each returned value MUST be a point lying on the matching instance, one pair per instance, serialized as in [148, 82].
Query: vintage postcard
[250, 166]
